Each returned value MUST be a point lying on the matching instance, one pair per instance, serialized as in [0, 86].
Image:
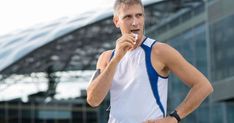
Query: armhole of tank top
[112, 54]
[162, 77]
[152, 74]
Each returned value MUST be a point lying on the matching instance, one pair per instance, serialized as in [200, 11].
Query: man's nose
[134, 21]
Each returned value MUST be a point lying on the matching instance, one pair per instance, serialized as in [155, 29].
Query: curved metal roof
[94, 28]
[16, 45]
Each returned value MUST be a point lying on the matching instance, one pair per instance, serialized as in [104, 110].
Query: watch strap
[175, 115]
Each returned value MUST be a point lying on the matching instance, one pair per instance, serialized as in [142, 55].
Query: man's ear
[116, 21]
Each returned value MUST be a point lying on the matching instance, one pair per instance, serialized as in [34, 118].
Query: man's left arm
[200, 86]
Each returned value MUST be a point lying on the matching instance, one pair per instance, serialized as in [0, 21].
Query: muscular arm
[199, 84]
[101, 82]
[99, 87]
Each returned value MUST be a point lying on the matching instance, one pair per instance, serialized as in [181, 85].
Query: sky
[21, 14]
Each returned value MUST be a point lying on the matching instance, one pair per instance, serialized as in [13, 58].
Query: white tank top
[138, 93]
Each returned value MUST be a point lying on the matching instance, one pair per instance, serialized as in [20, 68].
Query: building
[203, 35]
[49, 65]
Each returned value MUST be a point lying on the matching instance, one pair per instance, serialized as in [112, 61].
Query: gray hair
[125, 2]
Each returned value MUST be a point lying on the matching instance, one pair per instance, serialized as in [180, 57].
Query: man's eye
[128, 16]
[139, 15]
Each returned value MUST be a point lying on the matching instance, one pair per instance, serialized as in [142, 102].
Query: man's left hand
[163, 120]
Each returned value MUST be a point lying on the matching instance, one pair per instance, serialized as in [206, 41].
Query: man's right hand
[124, 44]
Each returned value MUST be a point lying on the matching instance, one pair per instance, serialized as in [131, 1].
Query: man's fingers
[127, 45]
[132, 37]
[123, 41]
[127, 39]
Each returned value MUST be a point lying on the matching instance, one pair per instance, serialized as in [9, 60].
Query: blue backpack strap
[152, 74]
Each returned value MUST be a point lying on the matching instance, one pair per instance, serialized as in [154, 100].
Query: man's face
[130, 19]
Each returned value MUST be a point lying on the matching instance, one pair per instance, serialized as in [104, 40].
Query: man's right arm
[101, 82]
[99, 86]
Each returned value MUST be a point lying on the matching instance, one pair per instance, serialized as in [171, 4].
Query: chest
[131, 69]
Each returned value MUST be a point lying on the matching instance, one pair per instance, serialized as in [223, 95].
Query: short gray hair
[126, 2]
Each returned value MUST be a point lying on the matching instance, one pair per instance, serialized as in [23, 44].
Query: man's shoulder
[160, 47]
[103, 59]
[106, 55]
[165, 52]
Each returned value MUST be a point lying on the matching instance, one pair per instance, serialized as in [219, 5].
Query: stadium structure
[45, 69]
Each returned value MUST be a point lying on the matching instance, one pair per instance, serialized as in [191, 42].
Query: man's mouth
[135, 31]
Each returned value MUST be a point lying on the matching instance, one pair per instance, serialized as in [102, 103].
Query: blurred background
[45, 66]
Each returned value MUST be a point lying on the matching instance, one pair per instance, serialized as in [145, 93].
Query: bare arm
[101, 83]
[199, 84]
[99, 86]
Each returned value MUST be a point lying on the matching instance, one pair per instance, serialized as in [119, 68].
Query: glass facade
[206, 45]
[222, 48]
[53, 112]
[192, 45]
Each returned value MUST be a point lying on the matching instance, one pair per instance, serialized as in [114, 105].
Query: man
[136, 74]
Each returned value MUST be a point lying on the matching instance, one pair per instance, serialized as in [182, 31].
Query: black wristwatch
[175, 115]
